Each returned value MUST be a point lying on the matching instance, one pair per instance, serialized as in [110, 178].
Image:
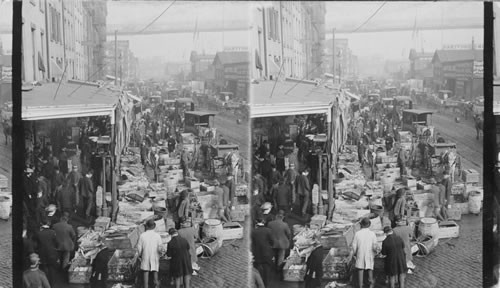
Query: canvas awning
[72, 100]
[289, 98]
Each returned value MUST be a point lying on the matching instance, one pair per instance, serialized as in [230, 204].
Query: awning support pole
[114, 203]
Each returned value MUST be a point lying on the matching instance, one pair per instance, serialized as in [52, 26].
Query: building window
[33, 53]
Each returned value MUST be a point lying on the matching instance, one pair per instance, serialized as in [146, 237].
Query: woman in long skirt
[180, 264]
[393, 248]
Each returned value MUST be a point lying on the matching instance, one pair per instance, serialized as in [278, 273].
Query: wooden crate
[448, 229]
[193, 183]
[232, 230]
[470, 176]
[80, 271]
[238, 215]
[318, 220]
[123, 241]
[338, 239]
[294, 270]
[337, 266]
[122, 265]
[102, 224]
[410, 181]
[454, 213]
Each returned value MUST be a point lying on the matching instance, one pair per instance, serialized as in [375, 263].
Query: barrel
[160, 211]
[159, 202]
[210, 246]
[428, 226]
[171, 183]
[475, 202]
[213, 228]
[5, 206]
[377, 209]
[426, 245]
[388, 182]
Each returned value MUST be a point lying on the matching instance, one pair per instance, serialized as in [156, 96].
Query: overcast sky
[348, 16]
[134, 16]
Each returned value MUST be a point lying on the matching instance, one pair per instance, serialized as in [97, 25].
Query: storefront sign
[478, 69]
[457, 70]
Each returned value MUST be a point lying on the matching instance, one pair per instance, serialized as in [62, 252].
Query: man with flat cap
[34, 277]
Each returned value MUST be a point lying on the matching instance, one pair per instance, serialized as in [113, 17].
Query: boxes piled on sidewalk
[141, 200]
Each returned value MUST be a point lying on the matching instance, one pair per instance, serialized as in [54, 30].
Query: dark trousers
[285, 208]
[50, 271]
[265, 272]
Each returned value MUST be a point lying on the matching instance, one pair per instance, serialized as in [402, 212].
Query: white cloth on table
[364, 246]
[149, 248]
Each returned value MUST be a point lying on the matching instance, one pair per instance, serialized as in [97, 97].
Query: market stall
[56, 114]
[283, 110]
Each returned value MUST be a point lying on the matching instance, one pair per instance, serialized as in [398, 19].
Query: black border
[17, 148]
[489, 142]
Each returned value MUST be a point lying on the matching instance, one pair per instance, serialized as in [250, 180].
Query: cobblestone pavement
[6, 226]
[6, 254]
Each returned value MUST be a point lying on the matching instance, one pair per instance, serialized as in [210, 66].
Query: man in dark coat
[361, 152]
[66, 238]
[281, 238]
[314, 268]
[74, 179]
[47, 247]
[57, 181]
[304, 191]
[395, 260]
[180, 264]
[280, 159]
[282, 197]
[290, 177]
[87, 192]
[262, 243]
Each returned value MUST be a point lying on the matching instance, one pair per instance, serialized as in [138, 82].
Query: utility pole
[121, 74]
[116, 80]
[333, 54]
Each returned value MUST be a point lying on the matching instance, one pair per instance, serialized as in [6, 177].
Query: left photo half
[6, 144]
[136, 128]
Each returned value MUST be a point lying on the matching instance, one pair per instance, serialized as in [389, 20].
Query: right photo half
[367, 144]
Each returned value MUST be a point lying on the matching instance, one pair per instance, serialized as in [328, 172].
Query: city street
[455, 262]
[464, 135]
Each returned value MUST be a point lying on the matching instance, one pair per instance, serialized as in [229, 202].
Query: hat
[365, 222]
[34, 259]
[387, 229]
[51, 208]
[266, 206]
[150, 224]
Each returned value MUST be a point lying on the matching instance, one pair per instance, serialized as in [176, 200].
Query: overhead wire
[60, 80]
[369, 18]
[105, 65]
[154, 20]
[276, 81]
